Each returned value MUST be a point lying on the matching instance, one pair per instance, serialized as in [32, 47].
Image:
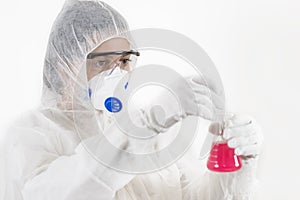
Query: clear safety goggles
[99, 62]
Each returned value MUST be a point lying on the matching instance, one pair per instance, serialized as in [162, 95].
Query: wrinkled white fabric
[52, 164]
[45, 157]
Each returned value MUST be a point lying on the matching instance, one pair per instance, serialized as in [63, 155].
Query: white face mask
[102, 88]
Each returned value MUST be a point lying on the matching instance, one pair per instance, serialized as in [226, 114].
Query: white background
[254, 44]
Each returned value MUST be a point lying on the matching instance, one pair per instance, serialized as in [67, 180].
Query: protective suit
[45, 157]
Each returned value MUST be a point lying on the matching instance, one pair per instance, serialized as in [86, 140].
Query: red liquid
[223, 159]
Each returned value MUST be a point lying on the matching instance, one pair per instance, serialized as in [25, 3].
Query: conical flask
[222, 158]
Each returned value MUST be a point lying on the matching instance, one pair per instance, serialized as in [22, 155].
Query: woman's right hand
[196, 98]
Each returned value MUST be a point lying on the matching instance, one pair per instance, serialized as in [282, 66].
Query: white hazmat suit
[45, 158]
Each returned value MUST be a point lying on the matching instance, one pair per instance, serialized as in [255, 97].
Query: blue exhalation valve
[113, 104]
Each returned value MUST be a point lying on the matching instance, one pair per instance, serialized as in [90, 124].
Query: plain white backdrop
[254, 44]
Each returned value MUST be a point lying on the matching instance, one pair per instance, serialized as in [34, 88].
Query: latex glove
[243, 134]
[199, 97]
[208, 97]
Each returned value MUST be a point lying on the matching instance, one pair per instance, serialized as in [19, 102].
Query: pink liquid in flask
[223, 159]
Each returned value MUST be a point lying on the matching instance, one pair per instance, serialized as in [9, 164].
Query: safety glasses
[99, 62]
[121, 53]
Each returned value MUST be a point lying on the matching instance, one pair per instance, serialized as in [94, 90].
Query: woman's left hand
[243, 134]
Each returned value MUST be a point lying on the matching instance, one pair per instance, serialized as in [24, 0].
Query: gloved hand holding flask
[238, 137]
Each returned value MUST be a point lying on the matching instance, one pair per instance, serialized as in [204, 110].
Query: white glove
[198, 98]
[208, 98]
[244, 135]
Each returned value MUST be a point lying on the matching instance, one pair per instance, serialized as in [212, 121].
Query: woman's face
[101, 63]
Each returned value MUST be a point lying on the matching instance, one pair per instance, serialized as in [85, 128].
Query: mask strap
[118, 64]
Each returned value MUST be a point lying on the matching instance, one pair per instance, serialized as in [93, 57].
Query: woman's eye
[99, 63]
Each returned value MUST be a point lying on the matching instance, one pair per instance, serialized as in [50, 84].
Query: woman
[46, 157]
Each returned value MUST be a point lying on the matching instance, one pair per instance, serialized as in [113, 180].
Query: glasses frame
[122, 53]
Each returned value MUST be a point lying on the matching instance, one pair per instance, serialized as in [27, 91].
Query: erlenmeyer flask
[222, 158]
